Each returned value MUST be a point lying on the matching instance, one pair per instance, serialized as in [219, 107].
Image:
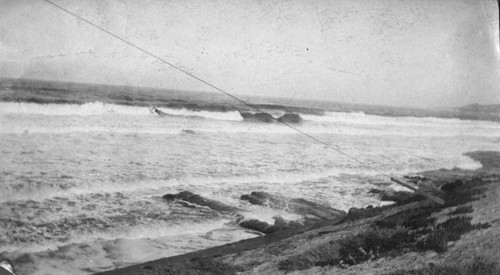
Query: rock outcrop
[264, 227]
[390, 195]
[267, 118]
[308, 209]
[311, 211]
[413, 237]
[290, 118]
[190, 199]
[415, 179]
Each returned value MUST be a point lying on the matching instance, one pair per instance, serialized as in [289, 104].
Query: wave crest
[101, 108]
[233, 115]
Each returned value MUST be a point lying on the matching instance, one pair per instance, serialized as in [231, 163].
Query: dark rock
[415, 179]
[289, 109]
[257, 117]
[290, 118]
[260, 226]
[264, 227]
[395, 196]
[187, 199]
[245, 197]
[170, 197]
[356, 213]
[312, 212]
[160, 113]
[188, 132]
[303, 207]
[452, 185]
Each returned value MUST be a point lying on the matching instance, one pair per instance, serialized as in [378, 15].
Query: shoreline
[316, 249]
[55, 92]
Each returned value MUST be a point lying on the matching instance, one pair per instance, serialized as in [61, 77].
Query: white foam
[231, 116]
[110, 118]
[151, 231]
[98, 255]
[100, 108]
[87, 109]
[24, 129]
[267, 214]
[10, 193]
[360, 118]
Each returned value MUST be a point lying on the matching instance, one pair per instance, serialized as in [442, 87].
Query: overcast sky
[425, 53]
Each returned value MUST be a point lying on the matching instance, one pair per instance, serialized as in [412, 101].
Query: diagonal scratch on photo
[249, 137]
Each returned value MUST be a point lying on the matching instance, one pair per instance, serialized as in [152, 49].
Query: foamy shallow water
[82, 184]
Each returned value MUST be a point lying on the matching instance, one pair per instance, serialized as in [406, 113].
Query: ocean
[82, 183]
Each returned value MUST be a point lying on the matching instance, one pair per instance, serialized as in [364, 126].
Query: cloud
[405, 53]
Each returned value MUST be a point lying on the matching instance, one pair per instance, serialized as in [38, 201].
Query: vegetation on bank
[389, 232]
[414, 229]
[478, 266]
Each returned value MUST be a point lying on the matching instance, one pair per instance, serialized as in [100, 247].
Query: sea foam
[100, 108]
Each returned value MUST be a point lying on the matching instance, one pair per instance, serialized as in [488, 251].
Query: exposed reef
[312, 212]
[266, 228]
[290, 118]
[190, 199]
[267, 118]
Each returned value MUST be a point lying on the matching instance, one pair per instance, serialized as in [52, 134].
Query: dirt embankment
[412, 236]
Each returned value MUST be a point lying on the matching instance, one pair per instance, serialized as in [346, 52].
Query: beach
[464, 248]
[95, 180]
[249, 137]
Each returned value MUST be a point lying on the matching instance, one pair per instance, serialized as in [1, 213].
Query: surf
[100, 108]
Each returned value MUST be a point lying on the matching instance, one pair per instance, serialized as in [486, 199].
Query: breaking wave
[12, 193]
[100, 108]
[233, 115]
[135, 232]
[360, 118]
[87, 109]
[274, 182]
